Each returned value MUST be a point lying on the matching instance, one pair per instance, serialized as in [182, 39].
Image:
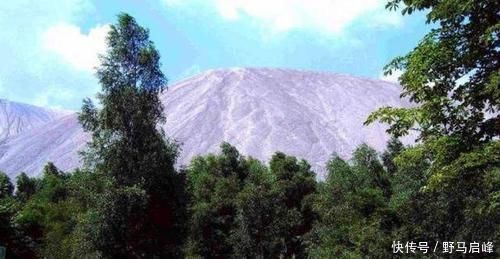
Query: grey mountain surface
[16, 118]
[310, 115]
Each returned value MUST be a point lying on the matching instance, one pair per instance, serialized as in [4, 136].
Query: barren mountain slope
[307, 114]
[17, 117]
[58, 141]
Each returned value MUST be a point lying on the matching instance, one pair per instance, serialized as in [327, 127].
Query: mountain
[16, 118]
[58, 141]
[307, 114]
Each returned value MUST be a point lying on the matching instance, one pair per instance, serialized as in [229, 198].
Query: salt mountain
[16, 118]
[260, 111]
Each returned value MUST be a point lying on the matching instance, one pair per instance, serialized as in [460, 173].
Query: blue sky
[49, 48]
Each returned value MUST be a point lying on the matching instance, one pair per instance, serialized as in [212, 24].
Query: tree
[140, 212]
[44, 211]
[240, 208]
[25, 187]
[410, 176]
[453, 76]
[214, 183]
[394, 148]
[329, 236]
[261, 216]
[296, 185]
[366, 162]
[453, 73]
[6, 186]
[17, 242]
[355, 219]
[51, 169]
[10, 236]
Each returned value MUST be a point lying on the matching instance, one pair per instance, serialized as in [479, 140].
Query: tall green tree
[15, 240]
[140, 212]
[242, 209]
[6, 186]
[214, 184]
[453, 76]
[410, 176]
[329, 236]
[366, 163]
[394, 148]
[453, 73]
[38, 208]
[261, 216]
[25, 187]
[296, 186]
[8, 209]
[355, 219]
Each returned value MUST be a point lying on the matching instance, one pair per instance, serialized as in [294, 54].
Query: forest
[130, 200]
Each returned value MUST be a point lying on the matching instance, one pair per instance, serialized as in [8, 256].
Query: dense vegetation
[129, 201]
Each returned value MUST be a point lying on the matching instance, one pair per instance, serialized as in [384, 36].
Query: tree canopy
[452, 74]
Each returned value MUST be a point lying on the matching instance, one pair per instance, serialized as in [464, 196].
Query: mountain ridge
[259, 110]
[16, 117]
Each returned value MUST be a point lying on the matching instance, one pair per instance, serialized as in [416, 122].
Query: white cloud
[33, 70]
[394, 77]
[79, 49]
[331, 16]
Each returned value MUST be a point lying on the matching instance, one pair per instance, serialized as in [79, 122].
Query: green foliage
[451, 177]
[296, 185]
[6, 187]
[51, 170]
[371, 174]
[260, 219]
[140, 210]
[463, 193]
[240, 208]
[25, 187]
[16, 241]
[214, 182]
[411, 175]
[270, 212]
[355, 219]
[452, 73]
[394, 148]
[124, 133]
